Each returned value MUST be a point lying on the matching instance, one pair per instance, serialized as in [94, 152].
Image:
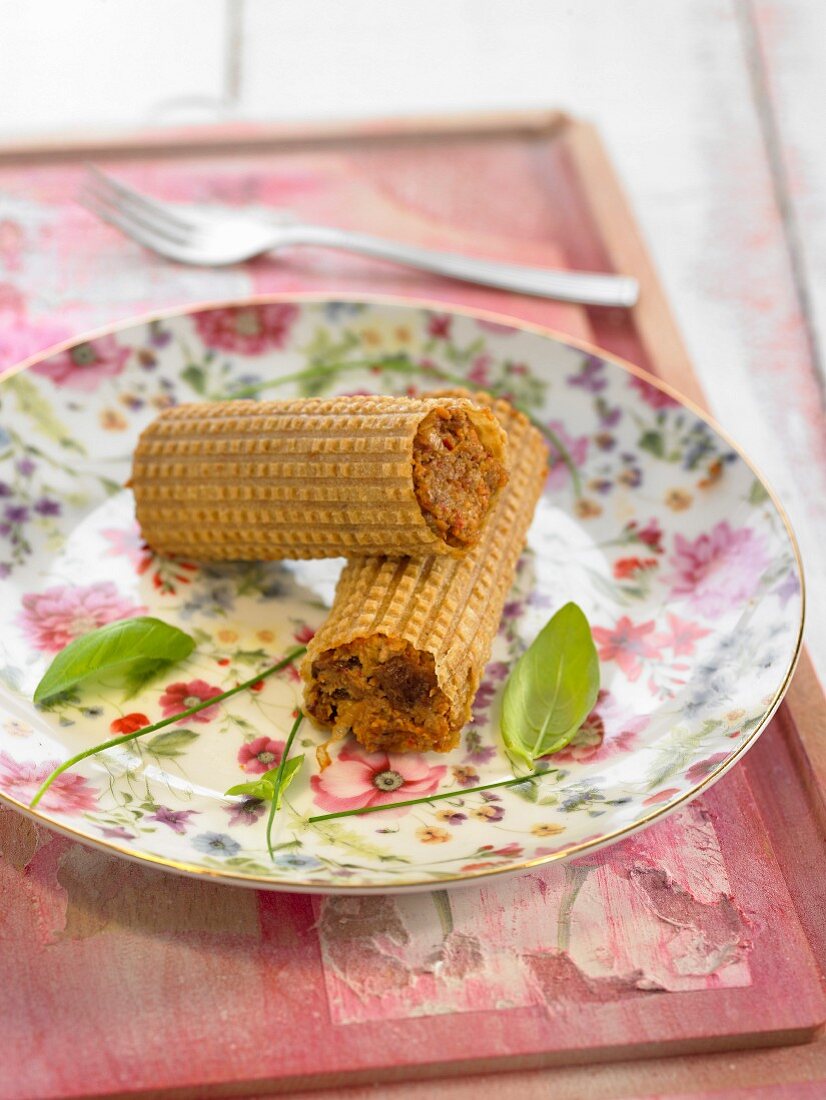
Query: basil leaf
[138, 675]
[260, 787]
[291, 769]
[131, 647]
[256, 789]
[173, 743]
[552, 688]
[196, 377]
[264, 786]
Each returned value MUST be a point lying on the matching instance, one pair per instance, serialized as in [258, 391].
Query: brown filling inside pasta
[456, 478]
[385, 692]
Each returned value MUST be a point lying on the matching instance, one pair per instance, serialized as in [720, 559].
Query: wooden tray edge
[247, 138]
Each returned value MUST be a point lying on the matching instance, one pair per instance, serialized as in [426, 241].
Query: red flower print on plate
[260, 755]
[129, 723]
[651, 534]
[181, 696]
[470, 867]
[661, 796]
[438, 325]
[510, 851]
[626, 644]
[250, 330]
[85, 366]
[586, 742]
[70, 793]
[703, 768]
[718, 571]
[608, 729]
[627, 568]
[681, 636]
[357, 778]
[51, 619]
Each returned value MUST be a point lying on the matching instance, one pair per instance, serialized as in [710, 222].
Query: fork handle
[583, 287]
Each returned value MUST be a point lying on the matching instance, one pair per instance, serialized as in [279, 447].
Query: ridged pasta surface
[304, 478]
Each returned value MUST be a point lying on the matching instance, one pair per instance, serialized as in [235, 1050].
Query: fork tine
[135, 216]
[132, 216]
[141, 233]
[167, 227]
[119, 194]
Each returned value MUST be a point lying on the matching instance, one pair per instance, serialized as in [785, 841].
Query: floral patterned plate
[656, 526]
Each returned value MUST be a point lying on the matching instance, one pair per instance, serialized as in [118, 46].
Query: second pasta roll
[318, 477]
[401, 655]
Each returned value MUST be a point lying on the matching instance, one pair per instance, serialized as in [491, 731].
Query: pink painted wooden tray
[702, 934]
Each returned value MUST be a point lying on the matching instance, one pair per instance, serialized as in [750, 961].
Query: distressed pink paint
[652, 914]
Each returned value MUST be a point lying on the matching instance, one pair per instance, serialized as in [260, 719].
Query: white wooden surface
[712, 110]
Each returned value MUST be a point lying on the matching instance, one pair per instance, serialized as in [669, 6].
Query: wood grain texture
[787, 64]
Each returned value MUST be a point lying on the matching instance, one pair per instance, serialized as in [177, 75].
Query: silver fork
[192, 235]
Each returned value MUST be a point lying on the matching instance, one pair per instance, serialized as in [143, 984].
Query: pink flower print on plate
[70, 793]
[652, 396]
[129, 542]
[52, 619]
[260, 755]
[681, 636]
[608, 729]
[479, 369]
[177, 820]
[249, 330]
[85, 366]
[357, 778]
[718, 571]
[627, 644]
